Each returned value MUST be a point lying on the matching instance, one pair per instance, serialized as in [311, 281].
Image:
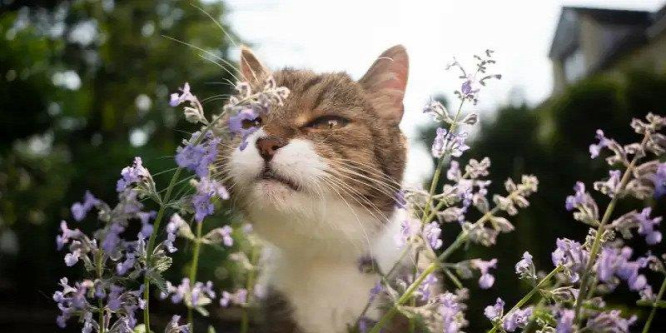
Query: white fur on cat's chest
[327, 292]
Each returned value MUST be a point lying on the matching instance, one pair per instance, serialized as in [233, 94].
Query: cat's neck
[320, 276]
[329, 230]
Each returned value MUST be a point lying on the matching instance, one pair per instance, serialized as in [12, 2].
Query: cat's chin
[273, 192]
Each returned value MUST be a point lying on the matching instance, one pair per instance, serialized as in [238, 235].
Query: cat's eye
[327, 123]
[249, 123]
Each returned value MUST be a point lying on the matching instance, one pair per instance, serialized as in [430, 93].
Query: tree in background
[83, 89]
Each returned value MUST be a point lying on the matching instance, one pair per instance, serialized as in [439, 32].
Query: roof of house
[568, 26]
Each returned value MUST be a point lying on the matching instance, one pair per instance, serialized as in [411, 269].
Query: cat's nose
[268, 146]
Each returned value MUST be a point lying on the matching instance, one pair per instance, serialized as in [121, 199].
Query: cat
[319, 181]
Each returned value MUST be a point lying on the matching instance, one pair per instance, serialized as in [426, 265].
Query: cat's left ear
[386, 81]
[250, 67]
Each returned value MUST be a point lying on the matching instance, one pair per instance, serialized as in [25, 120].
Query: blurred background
[84, 88]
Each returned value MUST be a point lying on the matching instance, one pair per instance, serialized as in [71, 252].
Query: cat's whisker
[367, 168]
[208, 53]
[358, 219]
[231, 39]
[369, 182]
[357, 195]
[215, 97]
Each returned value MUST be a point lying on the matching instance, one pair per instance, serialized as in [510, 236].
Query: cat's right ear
[386, 81]
[250, 67]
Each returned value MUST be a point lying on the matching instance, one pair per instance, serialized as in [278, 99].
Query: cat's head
[328, 163]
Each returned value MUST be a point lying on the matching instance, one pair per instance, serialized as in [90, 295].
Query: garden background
[84, 88]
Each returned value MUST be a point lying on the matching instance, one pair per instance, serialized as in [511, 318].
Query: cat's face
[332, 152]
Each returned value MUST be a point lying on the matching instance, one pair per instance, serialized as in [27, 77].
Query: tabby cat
[318, 181]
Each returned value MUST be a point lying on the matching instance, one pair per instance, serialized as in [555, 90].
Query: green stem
[462, 237]
[151, 244]
[193, 271]
[527, 297]
[596, 245]
[403, 299]
[648, 323]
[100, 303]
[249, 286]
[164, 202]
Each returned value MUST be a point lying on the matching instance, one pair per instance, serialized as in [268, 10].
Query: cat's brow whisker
[231, 39]
[208, 53]
[214, 97]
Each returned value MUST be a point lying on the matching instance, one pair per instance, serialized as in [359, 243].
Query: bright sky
[347, 35]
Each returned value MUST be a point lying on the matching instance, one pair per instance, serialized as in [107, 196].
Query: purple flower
[469, 86]
[237, 298]
[146, 227]
[611, 186]
[486, 280]
[374, 292]
[172, 229]
[81, 209]
[571, 255]
[225, 234]
[595, 149]
[431, 233]
[244, 123]
[565, 321]
[451, 311]
[123, 267]
[400, 201]
[114, 301]
[72, 300]
[616, 262]
[494, 312]
[405, 232]
[173, 326]
[578, 198]
[176, 99]
[453, 173]
[199, 157]
[425, 287]
[517, 319]
[225, 300]
[525, 267]
[445, 140]
[67, 235]
[647, 225]
[73, 257]
[112, 238]
[132, 175]
[202, 206]
[660, 180]
[610, 321]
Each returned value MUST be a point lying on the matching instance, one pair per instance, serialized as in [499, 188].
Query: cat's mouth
[270, 175]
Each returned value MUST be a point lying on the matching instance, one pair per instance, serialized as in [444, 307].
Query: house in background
[589, 41]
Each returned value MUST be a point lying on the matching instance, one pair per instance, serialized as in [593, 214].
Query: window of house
[574, 66]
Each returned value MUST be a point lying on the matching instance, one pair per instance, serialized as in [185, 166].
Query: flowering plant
[130, 252]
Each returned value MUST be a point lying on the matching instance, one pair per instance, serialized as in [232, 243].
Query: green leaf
[87, 263]
[157, 279]
[211, 329]
[202, 311]
[659, 304]
[162, 263]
